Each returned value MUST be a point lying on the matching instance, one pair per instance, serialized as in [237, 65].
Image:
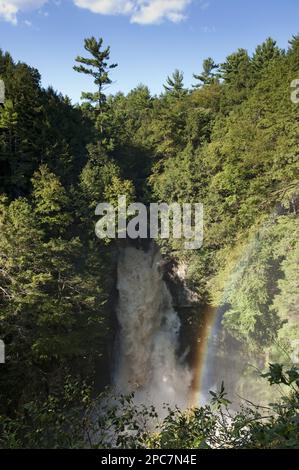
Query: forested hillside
[230, 142]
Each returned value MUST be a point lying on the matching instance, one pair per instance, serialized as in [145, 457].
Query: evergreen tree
[237, 74]
[236, 69]
[38, 126]
[50, 202]
[175, 84]
[294, 52]
[207, 77]
[8, 123]
[98, 67]
[265, 53]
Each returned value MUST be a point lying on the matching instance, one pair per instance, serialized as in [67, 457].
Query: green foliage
[37, 126]
[97, 66]
[175, 84]
[61, 421]
[50, 201]
[96, 176]
[8, 118]
[264, 54]
[73, 420]
[208, 76]
[53, 292]
[232, 144]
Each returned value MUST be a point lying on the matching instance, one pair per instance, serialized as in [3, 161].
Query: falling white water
[147, 361]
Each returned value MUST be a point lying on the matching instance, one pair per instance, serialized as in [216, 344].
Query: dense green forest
[230, 142]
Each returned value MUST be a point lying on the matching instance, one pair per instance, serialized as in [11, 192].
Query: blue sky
[148, 38]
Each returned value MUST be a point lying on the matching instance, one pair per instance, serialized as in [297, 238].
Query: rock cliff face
[175, 275]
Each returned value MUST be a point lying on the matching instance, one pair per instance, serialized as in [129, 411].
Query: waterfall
[147, 361]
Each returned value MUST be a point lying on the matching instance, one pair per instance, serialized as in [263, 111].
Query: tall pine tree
[98, 67]
[207, 77]
[175, 84]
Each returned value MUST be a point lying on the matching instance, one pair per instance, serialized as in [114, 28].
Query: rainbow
[208, 317]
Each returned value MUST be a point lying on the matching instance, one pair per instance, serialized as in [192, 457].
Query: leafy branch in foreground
[77, 420]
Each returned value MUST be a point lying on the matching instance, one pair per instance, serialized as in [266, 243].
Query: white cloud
[9, 9]
[108, 7]
[155, 11]
[140, 11]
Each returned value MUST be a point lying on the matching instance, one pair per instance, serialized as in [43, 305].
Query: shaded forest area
[231, 142]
